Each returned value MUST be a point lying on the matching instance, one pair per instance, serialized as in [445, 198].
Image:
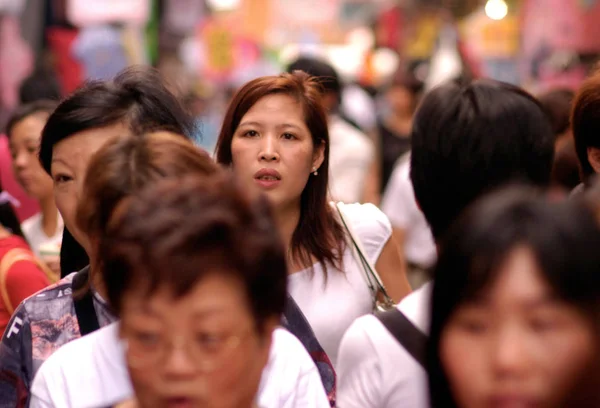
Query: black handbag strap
[84, 305]
[408, 335]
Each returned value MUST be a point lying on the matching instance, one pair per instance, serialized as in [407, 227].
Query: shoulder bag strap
[406, 333]
[84, 305]
[8, 260]
[359, 252]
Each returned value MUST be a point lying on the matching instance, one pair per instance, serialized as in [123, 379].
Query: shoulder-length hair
[318, 233]
[562, 236]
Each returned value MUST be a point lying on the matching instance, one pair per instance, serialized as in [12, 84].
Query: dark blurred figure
[565, 168]
[557, 105]
[402, 97]
[41, 85]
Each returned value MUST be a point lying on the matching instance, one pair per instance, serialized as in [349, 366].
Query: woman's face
[70, 159]
[400, 99]
[272, 149]
[517, 345]
[24, 147]
[199, 350]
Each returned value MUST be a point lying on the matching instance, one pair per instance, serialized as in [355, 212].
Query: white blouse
[331, 305]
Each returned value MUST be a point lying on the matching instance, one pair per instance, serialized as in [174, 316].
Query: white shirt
[91, 372]
[331, 304]
[400, 205]
[374, 370]
[351, 153]
[36, 237]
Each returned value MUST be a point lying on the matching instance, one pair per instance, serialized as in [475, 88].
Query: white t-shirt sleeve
[291, 378]
[359, 374]
[372, 227]
[48, 388]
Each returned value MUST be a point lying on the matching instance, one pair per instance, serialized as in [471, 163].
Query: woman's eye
[542, 324]
[251, 133]
[146, 339]
[33, 149]
[288, 136]
[62, 178]
[208, 341]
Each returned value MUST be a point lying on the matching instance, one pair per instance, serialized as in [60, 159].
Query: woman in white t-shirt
[275, 138]
[44, 230]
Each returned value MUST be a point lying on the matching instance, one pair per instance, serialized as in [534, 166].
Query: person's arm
[23, 279]
[391, 267]
[358, 371]
[16, 361]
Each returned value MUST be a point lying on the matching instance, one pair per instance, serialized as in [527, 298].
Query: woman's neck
[287, 220]
[49, 216]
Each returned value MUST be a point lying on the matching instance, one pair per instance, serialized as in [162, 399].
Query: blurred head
[39, 86]
[565, 168]
[136, 101]
[197, 274]
[327, 77]
[469, 139]
[124, 166]
[585, 124]
[275, 137]
[403, 93]
[557, 106]
[515, 303]
[24, 130]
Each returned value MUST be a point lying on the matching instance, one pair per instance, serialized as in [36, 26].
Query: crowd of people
[432, 257]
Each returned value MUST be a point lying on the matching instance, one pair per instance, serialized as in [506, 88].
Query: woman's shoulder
[366, 219]
[370, 225]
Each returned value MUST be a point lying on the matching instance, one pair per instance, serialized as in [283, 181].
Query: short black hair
[470, 138]
[137, 96]
[324, 72]
[23, 111]
[40, 85]
[562, 236]
[175, 232]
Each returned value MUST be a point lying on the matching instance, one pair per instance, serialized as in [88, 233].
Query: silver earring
[315, 172]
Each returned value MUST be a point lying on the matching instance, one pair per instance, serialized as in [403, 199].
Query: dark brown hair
[176, 232]
[318, 233]
[124, 165]
[585, 121]
[24, 111]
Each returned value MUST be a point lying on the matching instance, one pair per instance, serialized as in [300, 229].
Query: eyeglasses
[207, 351]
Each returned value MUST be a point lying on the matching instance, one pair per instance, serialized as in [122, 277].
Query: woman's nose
[269, 149]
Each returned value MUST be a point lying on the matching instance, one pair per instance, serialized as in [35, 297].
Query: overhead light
[496, 9]
[223, 5]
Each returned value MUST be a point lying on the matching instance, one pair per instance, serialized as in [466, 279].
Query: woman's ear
[318, 155]
[593, 154]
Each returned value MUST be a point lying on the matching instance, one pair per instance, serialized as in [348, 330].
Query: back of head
[557, 105]
[562, 238]
[136, 97]
[176, 232]
[469, 139]
[126, 165]
[585, 121]
[324, 72]
[41, 85]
